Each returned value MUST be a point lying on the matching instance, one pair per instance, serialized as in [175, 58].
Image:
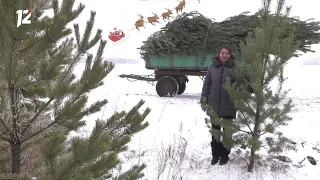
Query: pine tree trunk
[15, 141]
[255, 136]
[16, 158]
[251, 162]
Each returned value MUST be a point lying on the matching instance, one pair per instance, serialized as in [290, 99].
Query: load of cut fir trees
[193, 34]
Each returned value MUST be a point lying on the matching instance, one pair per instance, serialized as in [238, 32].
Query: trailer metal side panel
[179, 62]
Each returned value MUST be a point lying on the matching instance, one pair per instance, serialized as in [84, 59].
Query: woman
[217, 97]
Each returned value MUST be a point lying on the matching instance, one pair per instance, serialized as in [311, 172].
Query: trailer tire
[182, 88]
[167, 87]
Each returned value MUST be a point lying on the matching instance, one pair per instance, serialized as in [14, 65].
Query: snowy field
[174, 121]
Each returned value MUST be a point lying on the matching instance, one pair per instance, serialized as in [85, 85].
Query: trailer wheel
[182, 88]
[167, 87]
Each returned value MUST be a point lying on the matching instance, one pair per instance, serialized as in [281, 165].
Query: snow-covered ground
[174, 121]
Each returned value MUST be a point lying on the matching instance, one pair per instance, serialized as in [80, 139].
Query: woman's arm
[206, 86]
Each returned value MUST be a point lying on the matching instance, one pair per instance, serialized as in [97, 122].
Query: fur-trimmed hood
[230, 63]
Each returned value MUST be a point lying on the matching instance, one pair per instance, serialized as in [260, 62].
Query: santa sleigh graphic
[116, 35]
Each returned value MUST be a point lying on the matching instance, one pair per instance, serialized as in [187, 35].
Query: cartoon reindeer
[153, 19]
[139, 23]
[166, 15]
[180, 6]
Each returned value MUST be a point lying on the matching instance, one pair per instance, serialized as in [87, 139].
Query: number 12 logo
[25, 20]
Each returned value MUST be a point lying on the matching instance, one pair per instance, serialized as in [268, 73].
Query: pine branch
[75, 162]
[247, 122]
[39, 131]
[5, 138]
[30, 47]
[276, 100]
[75, 59]
[243, 158]
[274, 121]
[270, 108]
[5, 126]
[248, 105]
[28, 124]
[244, 131]
[23, 72]
[45, 128]
[50, 100]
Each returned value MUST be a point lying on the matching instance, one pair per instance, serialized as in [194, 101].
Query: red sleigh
[116, 35]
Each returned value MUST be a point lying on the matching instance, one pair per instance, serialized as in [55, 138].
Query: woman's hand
[203, 103]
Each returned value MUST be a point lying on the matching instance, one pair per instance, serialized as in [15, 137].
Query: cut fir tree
[41, 100]
[262, 113]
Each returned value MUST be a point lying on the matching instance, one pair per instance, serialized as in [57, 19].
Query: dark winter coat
[218, 97]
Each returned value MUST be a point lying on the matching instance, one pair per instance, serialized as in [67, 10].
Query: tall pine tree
[265, 53]
[41, 100]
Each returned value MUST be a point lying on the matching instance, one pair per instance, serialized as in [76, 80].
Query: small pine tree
[260, 114]
[41, 100]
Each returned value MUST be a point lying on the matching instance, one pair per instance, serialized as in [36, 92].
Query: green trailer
[171, 72]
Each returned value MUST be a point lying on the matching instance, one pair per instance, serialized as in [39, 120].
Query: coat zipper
[221, 75]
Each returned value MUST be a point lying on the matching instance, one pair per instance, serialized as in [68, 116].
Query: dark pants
[217, 148]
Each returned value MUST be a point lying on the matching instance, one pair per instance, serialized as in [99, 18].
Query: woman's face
[224, 55]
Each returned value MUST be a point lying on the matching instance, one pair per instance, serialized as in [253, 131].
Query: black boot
[224, 160]
[214, 160]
